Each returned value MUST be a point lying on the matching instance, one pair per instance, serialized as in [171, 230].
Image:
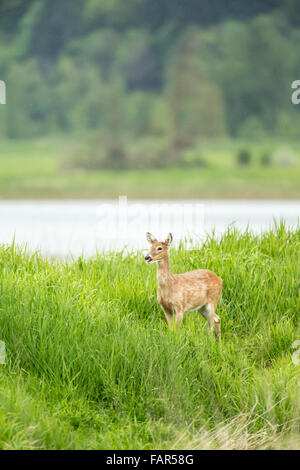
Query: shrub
[151, 152]
[103, 151]
[265, 159]
[193, 158]
[244, 157]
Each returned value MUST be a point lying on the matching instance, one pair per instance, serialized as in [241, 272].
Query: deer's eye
[159, 248]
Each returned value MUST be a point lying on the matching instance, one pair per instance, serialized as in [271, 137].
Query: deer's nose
[147, 258]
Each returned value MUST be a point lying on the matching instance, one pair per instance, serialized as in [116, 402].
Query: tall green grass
[91, 363]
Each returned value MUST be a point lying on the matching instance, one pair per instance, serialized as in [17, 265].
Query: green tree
[196, 101]
[28, 99]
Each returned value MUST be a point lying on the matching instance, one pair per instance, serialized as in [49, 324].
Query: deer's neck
[164, 275]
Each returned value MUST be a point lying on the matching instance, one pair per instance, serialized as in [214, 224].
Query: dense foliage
[163, 73]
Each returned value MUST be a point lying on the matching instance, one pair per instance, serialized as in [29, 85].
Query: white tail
[179, 293]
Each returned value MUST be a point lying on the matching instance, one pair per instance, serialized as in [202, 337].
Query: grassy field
[35, 169]
[90, 363]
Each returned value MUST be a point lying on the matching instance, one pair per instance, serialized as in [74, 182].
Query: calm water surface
[63, 228]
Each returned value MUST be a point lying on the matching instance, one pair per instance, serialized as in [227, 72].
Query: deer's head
[158, 250]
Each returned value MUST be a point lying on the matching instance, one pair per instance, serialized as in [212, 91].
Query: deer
[177, 294]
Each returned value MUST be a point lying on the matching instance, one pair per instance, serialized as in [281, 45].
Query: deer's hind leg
[213, 320]
[217, 327]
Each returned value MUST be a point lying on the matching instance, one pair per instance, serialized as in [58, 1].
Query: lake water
[63, 228]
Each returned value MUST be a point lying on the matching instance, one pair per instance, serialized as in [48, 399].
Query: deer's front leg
[179, 317]
[169, 317]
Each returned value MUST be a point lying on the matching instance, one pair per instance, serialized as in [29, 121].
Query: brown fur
[179, 293]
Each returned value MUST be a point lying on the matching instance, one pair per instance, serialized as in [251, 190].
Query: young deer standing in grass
[179, 293]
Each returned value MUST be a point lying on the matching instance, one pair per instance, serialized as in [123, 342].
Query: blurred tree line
[151, 78]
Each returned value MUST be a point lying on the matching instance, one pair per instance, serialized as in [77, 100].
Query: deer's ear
[150, 238]
[169, 239]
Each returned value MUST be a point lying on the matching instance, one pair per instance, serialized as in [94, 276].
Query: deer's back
[192, 289]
